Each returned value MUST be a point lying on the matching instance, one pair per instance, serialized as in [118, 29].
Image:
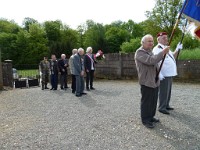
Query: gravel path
[107, 118]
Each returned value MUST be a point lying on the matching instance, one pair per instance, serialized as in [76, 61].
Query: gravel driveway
[107, 118]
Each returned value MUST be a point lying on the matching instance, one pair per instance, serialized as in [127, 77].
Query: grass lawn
[187, 54]
[28, 73]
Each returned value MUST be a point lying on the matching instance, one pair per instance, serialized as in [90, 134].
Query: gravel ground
[107, 118]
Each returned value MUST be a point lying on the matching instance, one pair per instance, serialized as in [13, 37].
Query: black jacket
[54, 67]
[61, 66]
[87, 62]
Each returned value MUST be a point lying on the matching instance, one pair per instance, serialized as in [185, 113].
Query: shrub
[131, 46]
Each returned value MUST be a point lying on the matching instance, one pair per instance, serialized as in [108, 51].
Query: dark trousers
[54, 81]
[63, 80]
[89, 78]
[148, 103]
[73, 86]
[165, 93]
[79, 85]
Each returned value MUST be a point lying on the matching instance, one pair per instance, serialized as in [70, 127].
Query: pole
[171, 37]
[181, 41]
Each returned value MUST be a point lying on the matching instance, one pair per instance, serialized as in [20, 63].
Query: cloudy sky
[75, 12]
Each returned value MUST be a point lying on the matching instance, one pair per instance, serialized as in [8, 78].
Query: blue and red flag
[191, 10]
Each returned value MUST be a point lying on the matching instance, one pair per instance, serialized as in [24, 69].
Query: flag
[197, 32]
[191, 10]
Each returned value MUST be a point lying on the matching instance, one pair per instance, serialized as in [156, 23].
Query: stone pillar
[7, 73]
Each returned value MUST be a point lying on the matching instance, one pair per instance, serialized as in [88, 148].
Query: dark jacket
[88, 61]
[61, 66]
[54, 67]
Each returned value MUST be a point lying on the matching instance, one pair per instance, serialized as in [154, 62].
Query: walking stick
[183, 34]
[170, 40]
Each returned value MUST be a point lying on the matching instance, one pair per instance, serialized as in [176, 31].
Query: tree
[163, 16]
[27, 22]
[135, 29]
[115, 36]
[131, 46]
[95, 37]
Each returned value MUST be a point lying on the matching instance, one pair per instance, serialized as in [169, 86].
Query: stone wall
[122, 66]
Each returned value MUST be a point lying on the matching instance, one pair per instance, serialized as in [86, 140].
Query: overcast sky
[75, 12]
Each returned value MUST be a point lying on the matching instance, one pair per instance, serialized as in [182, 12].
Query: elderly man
[89, 63]
[79, 72]
[147, 65]
[63, 64]
[168, 71]
[54, 72]
[71, 67]
[44, 70]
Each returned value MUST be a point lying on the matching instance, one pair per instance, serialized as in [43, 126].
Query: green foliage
[190, 54]
[95, 37]
[164, 14]
[132, 46]
[115, 37]
[189, 42]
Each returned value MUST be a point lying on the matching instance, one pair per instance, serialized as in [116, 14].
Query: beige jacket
[147, 66]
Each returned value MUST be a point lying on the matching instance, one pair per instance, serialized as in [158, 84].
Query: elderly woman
[89, 63]
[147, 67]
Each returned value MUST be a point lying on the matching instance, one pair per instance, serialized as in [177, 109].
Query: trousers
[79, 84]
[89, 78]
[165, 93]
[148, 103]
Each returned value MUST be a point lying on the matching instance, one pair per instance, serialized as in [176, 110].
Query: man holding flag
[168, 71]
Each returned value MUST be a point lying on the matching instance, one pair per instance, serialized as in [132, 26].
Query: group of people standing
[148, 62]
[78, 63]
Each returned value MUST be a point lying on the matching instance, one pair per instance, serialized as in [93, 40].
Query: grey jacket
[147, 67]
[78, 64]
[71, 65]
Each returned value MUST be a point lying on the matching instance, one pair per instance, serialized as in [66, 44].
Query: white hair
[145, 37]
[88, 49]
[63, 55]
[80, 50]
[74, 51]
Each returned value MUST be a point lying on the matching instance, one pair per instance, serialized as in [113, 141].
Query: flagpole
[181, 41]
[170, 39]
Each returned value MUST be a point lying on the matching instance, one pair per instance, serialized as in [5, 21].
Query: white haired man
[168, 71]
[79, 72]
[71, 67]
[63, 64]
[147, 66]
[89, 64]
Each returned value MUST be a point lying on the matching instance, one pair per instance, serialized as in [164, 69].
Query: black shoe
[155, 120]
[46, 87]
[92, 88]
[83, 93]
[52, 89]
[164, 112]
[73, 91]
[42, 88]
[78, 95]
[170, 108]
[148, 124]
[62, 88]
